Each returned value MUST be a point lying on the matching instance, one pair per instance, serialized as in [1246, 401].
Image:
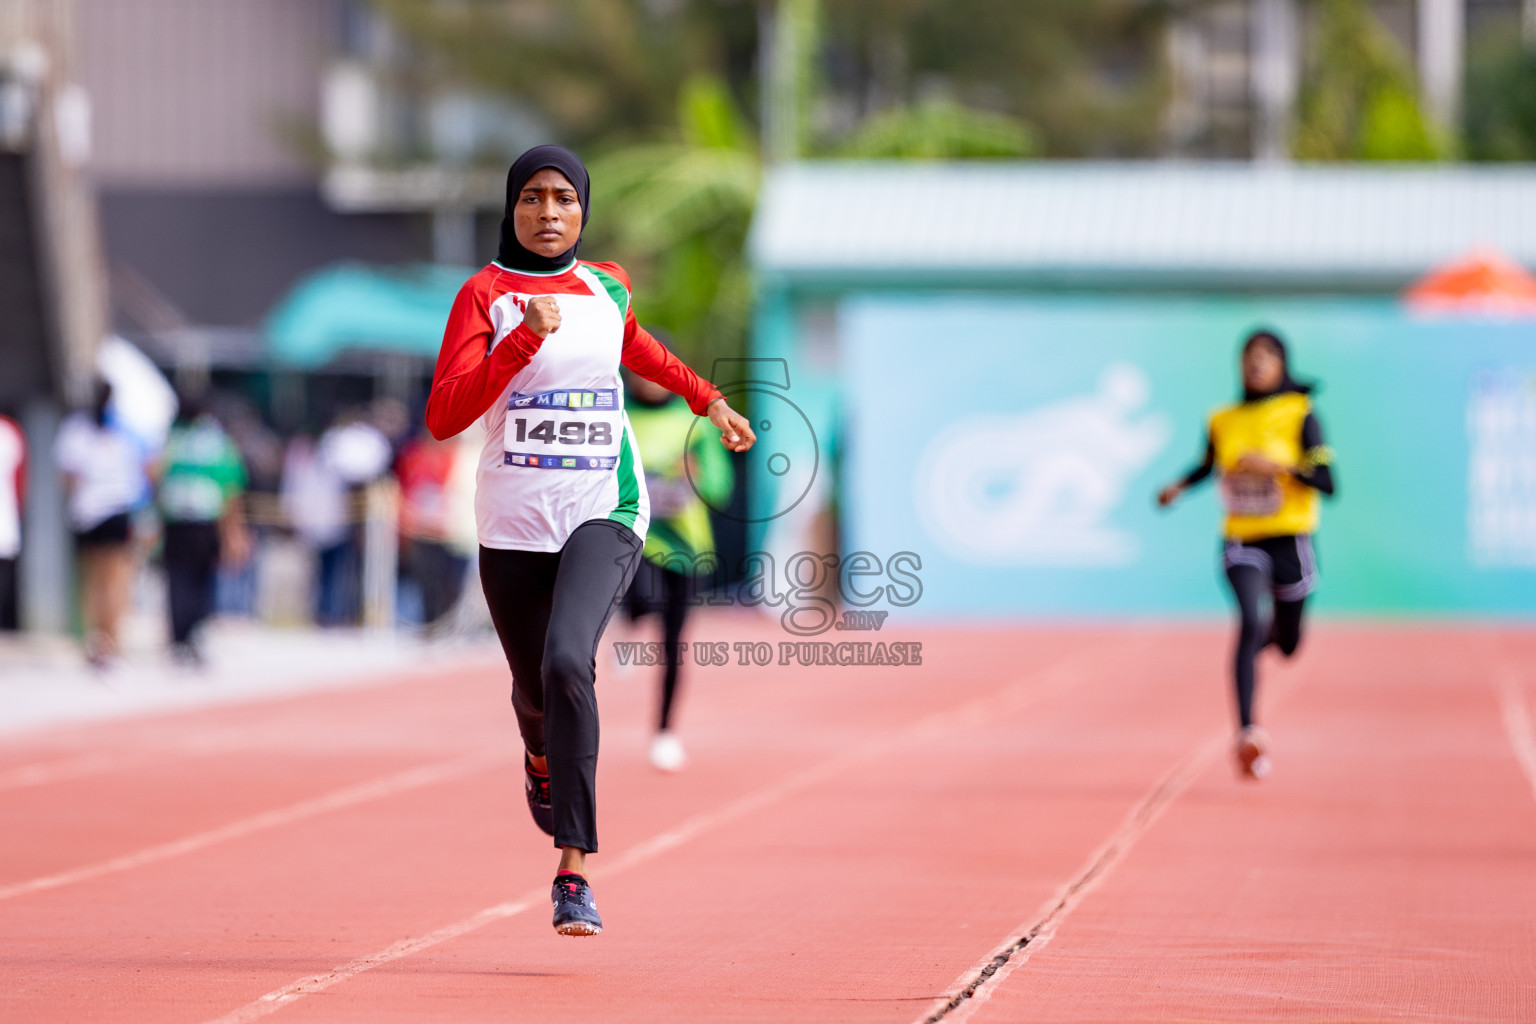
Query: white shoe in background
[667, 753]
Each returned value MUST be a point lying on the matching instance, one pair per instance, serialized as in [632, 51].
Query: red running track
[1034, 825]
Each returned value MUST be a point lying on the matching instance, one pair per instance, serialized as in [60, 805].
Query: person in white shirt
[355, 454]
[106, 480]
[13, 465]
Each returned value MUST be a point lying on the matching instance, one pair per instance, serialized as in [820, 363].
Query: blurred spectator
[392, 418]
[13, 473]
[314, 501]
[429, 556]
[356, 449]
[105, 480]
[681, 465]
[202, 478]
[322, 485]
[358, 453]
[261, 450]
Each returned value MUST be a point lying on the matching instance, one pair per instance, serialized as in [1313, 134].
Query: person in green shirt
[684, 468]
[201, 479]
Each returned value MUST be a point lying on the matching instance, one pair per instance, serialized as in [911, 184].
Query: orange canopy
[1483, 282]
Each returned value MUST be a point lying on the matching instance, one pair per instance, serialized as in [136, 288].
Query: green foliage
[1499, 119]
[938, 129]
[1358, 99]
[677, 213]
[1086, 75]
[657, 88]
[1394, 128]
[596, 69]
[794, 82]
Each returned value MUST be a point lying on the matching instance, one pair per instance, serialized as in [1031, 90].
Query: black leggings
[191, 571]
[550, 609]
[667, 593]
[1250, 584]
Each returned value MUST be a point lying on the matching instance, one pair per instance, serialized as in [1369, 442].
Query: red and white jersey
[13, 462]
[558, 449]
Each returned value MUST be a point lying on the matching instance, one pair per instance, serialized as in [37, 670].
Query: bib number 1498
[572, 432]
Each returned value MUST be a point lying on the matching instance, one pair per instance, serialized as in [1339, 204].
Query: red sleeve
[470, 376]
[21, 461]
[651, 360]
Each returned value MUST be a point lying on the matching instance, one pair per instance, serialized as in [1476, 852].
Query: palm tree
[674, 201]
[682, 206]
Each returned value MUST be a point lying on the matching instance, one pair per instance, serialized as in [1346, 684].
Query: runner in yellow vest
[684, 468]
[1269, 453]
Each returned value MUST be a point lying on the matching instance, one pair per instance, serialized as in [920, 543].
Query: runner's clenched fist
[543, 316]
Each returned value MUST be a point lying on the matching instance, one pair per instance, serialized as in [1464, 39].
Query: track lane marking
[1516, 713]
[64, 769]
[340, 799]
[40, 773]
[976, 985]
[218, 740]
[967, 993]
[1064, 674]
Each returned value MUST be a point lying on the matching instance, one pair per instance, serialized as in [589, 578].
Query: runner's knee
[567, 672]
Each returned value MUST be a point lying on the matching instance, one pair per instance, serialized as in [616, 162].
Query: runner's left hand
[735, 432]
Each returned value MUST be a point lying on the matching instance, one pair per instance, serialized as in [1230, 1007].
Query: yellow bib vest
[1261, 506]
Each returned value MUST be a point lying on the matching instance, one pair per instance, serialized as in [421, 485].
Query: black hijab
[1287, 382]
[511, 253]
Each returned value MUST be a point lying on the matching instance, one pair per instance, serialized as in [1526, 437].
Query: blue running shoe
[575, 912]
[539, 806]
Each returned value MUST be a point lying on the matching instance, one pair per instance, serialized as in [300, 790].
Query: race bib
[1251, 494]
[576, 429]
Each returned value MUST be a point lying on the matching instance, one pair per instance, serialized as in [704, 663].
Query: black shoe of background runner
[575, 911]
[537, 787]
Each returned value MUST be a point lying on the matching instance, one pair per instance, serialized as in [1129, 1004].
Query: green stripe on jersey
[615, 288]
[628, 509]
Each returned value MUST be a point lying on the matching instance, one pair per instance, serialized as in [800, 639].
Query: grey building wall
[224, 256]
[200, 93]
[204, 112]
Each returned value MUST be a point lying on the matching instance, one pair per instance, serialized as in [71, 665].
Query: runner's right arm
[470, 375]
[1168, 495]
[1203, 470]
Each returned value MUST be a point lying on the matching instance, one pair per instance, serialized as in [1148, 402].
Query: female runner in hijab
[1269, 452]
[532, 351]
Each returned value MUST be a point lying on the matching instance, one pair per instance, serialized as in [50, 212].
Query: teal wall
[1015, 442]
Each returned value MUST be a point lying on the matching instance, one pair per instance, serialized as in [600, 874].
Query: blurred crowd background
[230, 231]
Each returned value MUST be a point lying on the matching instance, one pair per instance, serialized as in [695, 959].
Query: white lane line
[349, 796]
[1517, 723]
[1022, 692]
[976, 985]
[63, 769]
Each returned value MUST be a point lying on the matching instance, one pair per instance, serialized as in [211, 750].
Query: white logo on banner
[1501, 472]
[1038, 487]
